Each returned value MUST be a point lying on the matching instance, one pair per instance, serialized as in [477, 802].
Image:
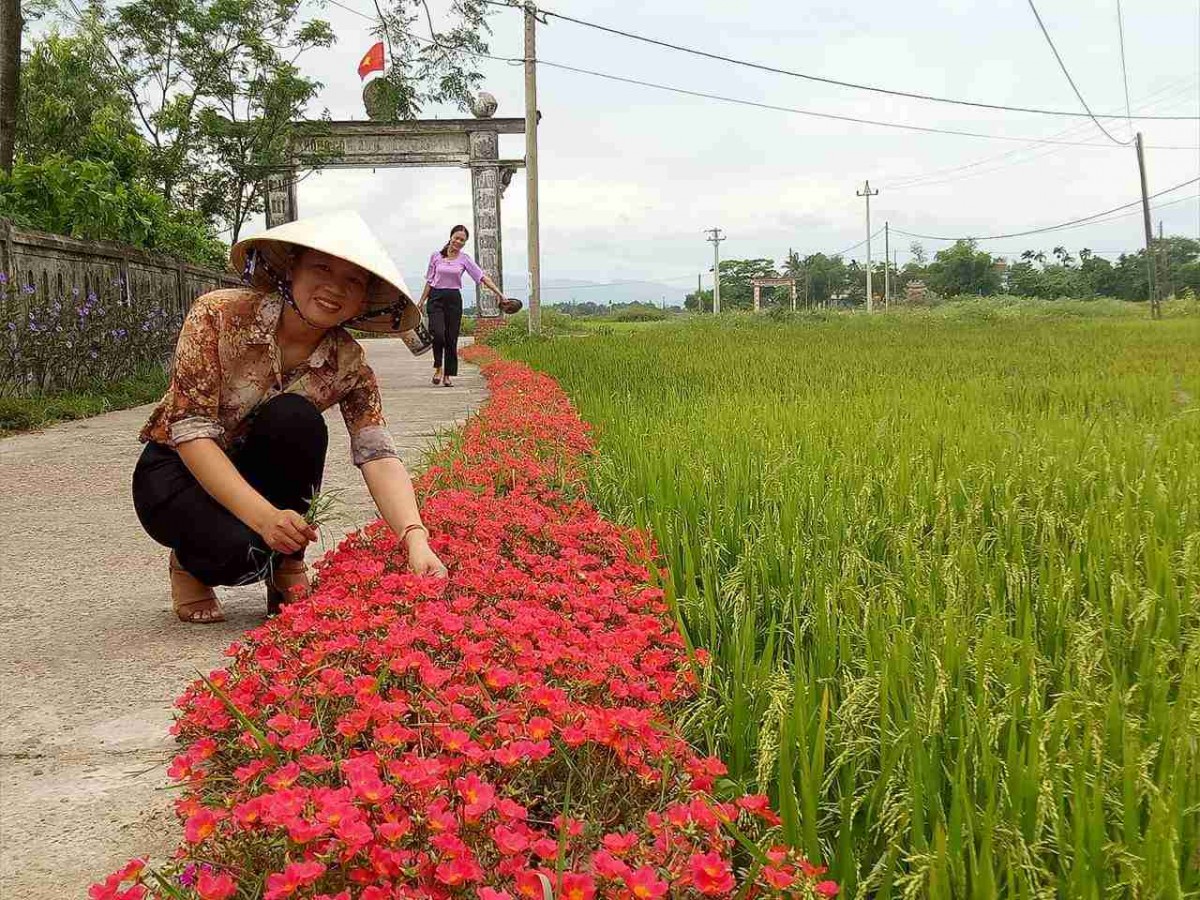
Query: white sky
[631, 177]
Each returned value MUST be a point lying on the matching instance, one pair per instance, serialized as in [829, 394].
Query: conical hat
[344, 235]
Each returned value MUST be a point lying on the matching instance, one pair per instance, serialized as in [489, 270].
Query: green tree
[1025, 279]
[72, 104]
[88, 198]
[819, 277]
[431, 62]
[736, 291]
[700, 301]
[184, 64]
[245, 130]
[12, 27]
[1096, 275]
[963, 269]
[82, 168]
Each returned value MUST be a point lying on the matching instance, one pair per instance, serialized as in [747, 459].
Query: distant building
[915, 291]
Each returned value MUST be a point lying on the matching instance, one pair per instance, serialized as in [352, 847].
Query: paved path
[91, 656]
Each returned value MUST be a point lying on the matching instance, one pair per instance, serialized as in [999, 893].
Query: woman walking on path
[235, 451]
[443, 291]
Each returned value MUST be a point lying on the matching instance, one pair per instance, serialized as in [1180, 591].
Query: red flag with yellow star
[372, 62]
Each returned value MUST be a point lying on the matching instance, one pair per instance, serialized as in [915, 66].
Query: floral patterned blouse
[227, 363]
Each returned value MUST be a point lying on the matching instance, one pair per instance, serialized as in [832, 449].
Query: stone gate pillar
[281, 198]
[486, 189]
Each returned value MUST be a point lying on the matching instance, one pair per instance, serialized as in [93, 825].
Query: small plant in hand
[499, 736]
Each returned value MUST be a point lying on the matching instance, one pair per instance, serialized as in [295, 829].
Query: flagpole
[386, 37]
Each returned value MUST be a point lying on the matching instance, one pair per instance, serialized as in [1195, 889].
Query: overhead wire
[1127, 214]
[1035, 152]
[762, 67]
[833, 116]
[855, 246]
[1084, 220]
[1124, 69]
[759, 105]
[1062, 65]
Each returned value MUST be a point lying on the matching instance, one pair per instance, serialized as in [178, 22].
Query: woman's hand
[286, 531]
[392, 490]
[421, 558]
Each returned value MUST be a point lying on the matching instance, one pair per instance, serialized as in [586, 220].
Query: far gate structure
[760, 283]
[464, 143]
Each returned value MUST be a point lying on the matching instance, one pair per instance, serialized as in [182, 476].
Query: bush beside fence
[75, 312]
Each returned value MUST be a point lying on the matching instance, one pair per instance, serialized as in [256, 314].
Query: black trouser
[445, 320]
[282, 457]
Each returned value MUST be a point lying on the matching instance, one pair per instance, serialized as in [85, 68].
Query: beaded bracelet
[414, 527]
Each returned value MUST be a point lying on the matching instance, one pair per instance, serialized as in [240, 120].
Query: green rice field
[948, 569]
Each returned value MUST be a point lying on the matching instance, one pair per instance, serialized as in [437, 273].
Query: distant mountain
[566, 290]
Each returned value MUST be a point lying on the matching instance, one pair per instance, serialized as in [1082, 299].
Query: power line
[833, 116]
[1124, 68]
[1104, 221]
[1062, 65]
[855, 246]
[756, 104]
[931, 177]
[1085, 220]
[817, 78]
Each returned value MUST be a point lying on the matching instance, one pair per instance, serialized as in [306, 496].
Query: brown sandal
[193, 600]
[288, 575]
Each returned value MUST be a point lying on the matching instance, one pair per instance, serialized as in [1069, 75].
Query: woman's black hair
[453, 231]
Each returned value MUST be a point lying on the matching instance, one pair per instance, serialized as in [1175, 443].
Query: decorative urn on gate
[483, 106]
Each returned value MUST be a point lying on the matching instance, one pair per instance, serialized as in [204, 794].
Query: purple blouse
[447, 273]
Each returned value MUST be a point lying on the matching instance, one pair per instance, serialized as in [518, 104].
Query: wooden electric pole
[531, 171]
[1151, 273]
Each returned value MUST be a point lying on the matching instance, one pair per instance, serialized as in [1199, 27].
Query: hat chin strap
[283, 285]
[291, 301]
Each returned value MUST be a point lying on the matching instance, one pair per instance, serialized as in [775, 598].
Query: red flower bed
[508, 735]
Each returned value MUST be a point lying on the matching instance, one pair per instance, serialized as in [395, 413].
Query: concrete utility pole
[1165, 257]
[531, 171]
[789, 256]
[887, 267]
[868, 193]
[1151, 273]
[715, 237]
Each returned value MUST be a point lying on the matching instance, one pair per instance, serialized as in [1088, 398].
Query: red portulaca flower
[502, 734]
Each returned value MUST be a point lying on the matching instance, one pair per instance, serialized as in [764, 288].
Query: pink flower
[645, 884]
[458, 871]
[577, 887]
[215, 887]
[201, 824]
[509, 841]
[710, 874]
[478, 795]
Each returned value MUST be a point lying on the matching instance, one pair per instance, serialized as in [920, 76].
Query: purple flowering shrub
[63, 343]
